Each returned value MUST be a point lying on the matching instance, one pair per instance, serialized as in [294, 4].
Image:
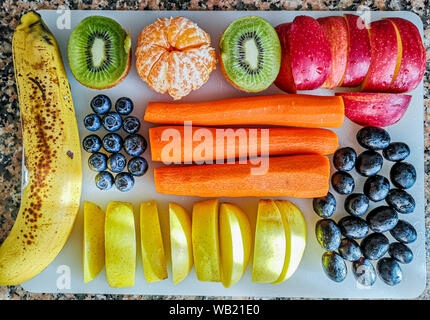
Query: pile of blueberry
[344, 236]
[133, 144]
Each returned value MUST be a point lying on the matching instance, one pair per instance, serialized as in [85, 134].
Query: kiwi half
[99, 52]
[250, 54]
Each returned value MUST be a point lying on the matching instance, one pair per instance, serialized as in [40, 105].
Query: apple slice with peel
[336, 32]
[94, 241]
[413, 60]
[306, 57]
[120, 244]
[295, 234]
[375, 109]
[153, 258]
[180, 242]
[285, 80]
[310, 53]
[269, 243]
[358, 60]
[235, 243]
[205, 239]
[386, 53]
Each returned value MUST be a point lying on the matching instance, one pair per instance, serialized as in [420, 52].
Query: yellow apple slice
[235, 243]
[120, 244]
[94, 241]
[205, 240]
[153, 258]
[269, 244]
[295, 234]
[180, 242]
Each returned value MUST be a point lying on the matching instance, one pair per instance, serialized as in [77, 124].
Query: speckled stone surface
[10, 129]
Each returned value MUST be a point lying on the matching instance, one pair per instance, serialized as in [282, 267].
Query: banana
[52, 155]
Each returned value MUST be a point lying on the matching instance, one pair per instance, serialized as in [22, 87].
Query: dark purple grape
[324, 206]
[373, 138]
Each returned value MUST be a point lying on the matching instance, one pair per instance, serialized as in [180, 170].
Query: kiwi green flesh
[97, 52]
[251, 53]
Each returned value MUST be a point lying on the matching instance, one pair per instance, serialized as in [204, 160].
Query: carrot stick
[301, 176]
[295, 110]
[236, 143]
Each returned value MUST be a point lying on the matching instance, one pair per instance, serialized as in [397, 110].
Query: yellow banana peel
[52, 155]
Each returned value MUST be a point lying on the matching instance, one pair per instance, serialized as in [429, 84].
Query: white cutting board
[309, 280]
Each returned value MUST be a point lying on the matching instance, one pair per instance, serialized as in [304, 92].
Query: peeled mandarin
[174, 55]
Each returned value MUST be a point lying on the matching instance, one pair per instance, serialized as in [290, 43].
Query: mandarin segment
[158, 78]
[184, 33]
[155, 34]
[174, 55]
[146, 59]
[189, 70]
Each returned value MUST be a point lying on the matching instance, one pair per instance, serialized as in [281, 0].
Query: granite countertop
[10, 128]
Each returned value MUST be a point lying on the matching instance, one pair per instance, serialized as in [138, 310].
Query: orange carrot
[236, 143]
[295, 110]
[300, 176]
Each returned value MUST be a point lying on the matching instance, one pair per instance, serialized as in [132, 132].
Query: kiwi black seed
[98, 52]
[250, 53]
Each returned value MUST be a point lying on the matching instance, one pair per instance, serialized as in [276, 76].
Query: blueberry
[92, 143]
[353, 227]
[101, 104]
[112, 142]
[124, 181]
[344, 159]
[396, 151]
[349, 250]
[364, 272]
[116, 162]
[374, 246]
[104, 180]
[124, 106]
[404, 232]
[342, 182]
[389, 271]
[382, 219]
[137, 166]
[403, 175]
[135, 145]
[356, 204]
[328, 234]
[401, 252]
[376, 188]
[373, 138]
[369, 163]
[324, 206]
[400, 200]
[131, 124]
[334, 266]
[97, 162]
[92, 122]
[112, 122]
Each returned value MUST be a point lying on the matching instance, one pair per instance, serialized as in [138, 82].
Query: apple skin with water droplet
[306, 56]
[384, 53]
[375, 109]
[358, 60]
[336, 32]
[413, 61]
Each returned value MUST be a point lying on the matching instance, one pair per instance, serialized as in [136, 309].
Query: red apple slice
[285, 80]
[375, 109]
[385, 58]
[358, 51]
[310, 53]
[336, 32]
[306, 56]
[413, 60]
